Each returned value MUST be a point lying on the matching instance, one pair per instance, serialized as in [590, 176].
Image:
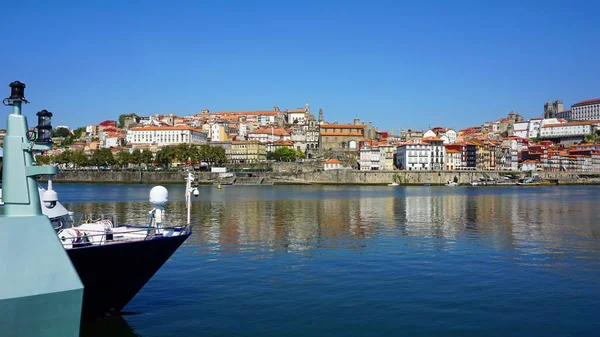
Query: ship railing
[141, 233]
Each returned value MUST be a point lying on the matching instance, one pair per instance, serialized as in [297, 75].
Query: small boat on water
[393, 184]
[533, 181]
[451, 184]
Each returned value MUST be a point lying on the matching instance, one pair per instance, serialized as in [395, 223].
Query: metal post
[188, 195]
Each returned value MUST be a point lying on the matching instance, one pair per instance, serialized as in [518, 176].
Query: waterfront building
[586, 110]
[529, 165]
[471, 155]
[595, 161]
[244, 152]
[438, 153]
[332, 164]
[453, 157]
[369, 158]
[386, 156]
[166, 135]
[424, 155]
[413, 155]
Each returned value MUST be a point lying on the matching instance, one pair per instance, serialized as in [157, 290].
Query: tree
[43, 159]
[123, 117]
[136, 157]
[300, 154]
[64, 157]
[78, 158]
[165, 156]
[61, 132]
[218, 155]
[591, 138]
[102, 157]
[76, 134]
[147, 157]
[122, 158]
[284, 154]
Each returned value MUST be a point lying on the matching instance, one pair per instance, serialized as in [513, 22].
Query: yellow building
[250, 151]
[386, 157]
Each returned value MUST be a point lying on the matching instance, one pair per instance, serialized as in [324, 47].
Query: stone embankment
[344, 176]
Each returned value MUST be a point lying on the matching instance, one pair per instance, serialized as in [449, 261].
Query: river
[365, 261]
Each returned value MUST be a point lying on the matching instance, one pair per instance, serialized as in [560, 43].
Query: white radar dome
[159, 196]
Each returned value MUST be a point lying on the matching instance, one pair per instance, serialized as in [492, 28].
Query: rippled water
[365, 261]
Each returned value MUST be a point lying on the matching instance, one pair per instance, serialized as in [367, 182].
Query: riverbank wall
[340, 177]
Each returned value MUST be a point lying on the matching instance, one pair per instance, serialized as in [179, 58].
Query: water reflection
[297, 219]
[309, 260]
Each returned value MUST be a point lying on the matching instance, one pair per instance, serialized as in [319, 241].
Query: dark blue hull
[113, 274]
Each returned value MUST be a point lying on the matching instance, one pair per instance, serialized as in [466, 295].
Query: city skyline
[397, 65]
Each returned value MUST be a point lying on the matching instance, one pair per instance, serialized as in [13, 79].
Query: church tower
[321, 120]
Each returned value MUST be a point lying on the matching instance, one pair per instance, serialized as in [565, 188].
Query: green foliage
[43, 160]
[61, 132]
[102, 157]
[64, 158]
[136, 157]
[165, 156]
[76, 134]
[147, 157]
[122, 158]
[284, 154]
[591, 138]
[300, 154]
[78, 158]
[125, 116]
[183, 153]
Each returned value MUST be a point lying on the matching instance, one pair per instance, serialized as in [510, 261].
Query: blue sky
[398, 64]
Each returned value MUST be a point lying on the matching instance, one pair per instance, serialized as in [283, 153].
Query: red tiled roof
[333, 161]
[589, 101]
[342, 126]
[340, 134]
[166, 128]
[572, 123]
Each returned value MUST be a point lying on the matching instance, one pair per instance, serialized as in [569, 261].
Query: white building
[242, 130]
[217, 133]
[332, 164]
[530, 128]
[271, 134]
[426, 155]
[265, 118]
[451, 136]
[297, 117]
[529, 165]
[570, 129]
[586, 110]
[369, 158]
[453, 159]
[166, 135]
[429, 134]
